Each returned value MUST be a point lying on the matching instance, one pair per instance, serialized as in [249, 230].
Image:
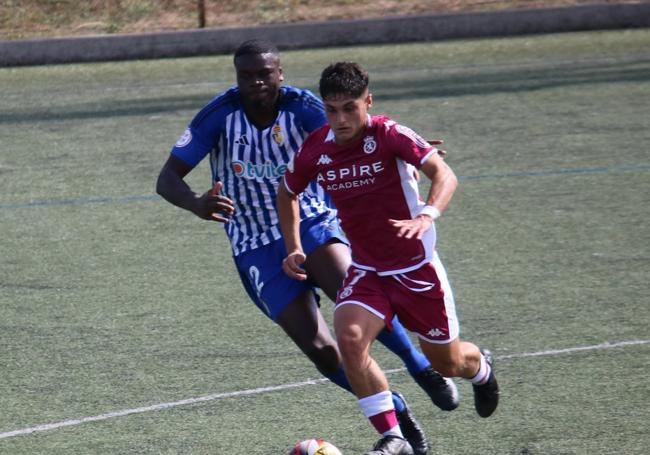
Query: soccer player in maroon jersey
[249, 133]
[367, 166]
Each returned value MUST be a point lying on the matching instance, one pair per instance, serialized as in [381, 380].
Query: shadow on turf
[118, 108]
[511, 80]
[472, 82]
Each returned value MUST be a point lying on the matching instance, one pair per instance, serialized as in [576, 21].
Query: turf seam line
[219, 396]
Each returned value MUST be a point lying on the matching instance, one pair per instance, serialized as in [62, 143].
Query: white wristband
[430, 211]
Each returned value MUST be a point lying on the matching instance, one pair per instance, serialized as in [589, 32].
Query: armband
[430, 211]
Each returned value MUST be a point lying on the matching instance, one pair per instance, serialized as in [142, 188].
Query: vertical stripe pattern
[251, 162]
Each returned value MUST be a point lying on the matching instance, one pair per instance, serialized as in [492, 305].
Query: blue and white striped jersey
[250, 162]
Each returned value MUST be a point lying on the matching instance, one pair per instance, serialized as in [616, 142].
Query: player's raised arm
[289, 216]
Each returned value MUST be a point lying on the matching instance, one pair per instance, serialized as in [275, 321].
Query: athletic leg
[292, 305]
[326, 266]
[303, 322]
[398, 342]
[356, 329]
[464, 359]
[454, 359]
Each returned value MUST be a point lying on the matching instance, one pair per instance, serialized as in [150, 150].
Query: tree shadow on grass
[407, 86]
[509, 80]
[115, 108]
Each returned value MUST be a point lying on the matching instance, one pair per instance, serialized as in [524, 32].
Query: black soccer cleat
[442, 391]
[411, 429]
[486, 396]
[391, 445]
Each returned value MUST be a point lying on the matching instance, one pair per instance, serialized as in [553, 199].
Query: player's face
[347, 116]
[259, 77]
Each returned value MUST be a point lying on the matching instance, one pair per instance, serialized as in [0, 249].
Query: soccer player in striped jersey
[366, 163]
[250, 133]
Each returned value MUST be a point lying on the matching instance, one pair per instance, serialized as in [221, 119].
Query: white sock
[483, 372]
[380, 411]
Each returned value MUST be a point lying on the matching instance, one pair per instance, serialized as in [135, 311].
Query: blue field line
[463, 178]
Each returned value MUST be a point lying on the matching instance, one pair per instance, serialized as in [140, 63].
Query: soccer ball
[314, 447]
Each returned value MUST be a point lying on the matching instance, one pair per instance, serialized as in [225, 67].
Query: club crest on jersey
[276, 134]
[369, 144]
[185, 139]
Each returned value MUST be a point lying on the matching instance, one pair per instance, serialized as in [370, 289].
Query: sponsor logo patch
[249, 170]
[185, 139]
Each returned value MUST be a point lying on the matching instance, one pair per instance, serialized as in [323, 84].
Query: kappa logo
[243, 140]
[324, 159]
[435, 332]
[369, 144]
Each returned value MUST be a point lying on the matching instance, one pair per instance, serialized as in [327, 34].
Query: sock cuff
[483, 372]
[377, 403]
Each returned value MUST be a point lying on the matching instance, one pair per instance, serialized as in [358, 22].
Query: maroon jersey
[370, 181]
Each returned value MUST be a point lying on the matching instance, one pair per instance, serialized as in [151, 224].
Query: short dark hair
[255, 47]
[343, 78]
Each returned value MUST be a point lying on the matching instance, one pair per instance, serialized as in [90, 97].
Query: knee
[351, 343]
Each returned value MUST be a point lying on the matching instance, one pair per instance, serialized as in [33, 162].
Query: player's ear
[281, 78]
[369, 100]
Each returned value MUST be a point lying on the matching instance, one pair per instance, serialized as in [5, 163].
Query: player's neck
[262, 115]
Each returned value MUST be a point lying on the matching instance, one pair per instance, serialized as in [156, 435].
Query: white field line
[219, 396]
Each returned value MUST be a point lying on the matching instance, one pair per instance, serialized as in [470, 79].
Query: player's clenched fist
[292, 266]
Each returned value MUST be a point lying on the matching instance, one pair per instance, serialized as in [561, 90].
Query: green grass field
[123, 326]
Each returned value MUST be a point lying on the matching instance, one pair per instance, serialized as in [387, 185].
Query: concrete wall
[425, 27]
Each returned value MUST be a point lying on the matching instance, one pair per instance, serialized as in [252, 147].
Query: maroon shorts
[421, 298]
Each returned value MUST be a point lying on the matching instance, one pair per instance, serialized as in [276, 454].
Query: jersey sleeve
[201, 136]
[312, 112]
[192, 147]
[299, 172]
[409, 145]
